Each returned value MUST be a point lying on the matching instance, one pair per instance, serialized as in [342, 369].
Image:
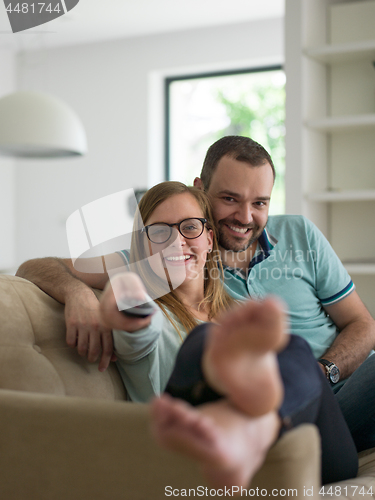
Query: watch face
[334, 374]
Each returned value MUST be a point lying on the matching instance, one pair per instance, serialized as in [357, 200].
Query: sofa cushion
[34, 356]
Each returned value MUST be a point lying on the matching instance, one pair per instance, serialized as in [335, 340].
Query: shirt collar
[266, 242]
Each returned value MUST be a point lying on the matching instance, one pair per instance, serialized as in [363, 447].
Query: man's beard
[230, 242]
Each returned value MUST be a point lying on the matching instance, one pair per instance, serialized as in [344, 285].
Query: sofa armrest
[55, 448]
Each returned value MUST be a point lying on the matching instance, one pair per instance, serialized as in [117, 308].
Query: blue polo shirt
[295, 262]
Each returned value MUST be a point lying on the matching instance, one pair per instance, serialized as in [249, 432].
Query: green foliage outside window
[250, 104]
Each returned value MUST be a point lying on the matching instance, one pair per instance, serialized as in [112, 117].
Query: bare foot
[229, 446]
[240, 356]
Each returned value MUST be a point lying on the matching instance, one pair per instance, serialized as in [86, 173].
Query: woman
[178, 267]
[230, 371]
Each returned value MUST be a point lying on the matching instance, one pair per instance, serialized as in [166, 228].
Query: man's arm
[59, 279]
[357, 334]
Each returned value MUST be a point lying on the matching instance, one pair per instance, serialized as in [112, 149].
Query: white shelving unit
[343, 52]
[343, 195]
[330, 122]
[357, 268]
[342, 123]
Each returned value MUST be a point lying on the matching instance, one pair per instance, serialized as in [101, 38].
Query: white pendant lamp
[38, 125]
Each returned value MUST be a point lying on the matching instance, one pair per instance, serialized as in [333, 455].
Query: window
[203, 108]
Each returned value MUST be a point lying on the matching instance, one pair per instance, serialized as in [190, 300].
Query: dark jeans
[357, 402]
[308, 398]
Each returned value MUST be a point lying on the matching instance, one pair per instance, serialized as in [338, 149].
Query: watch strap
[325, 362]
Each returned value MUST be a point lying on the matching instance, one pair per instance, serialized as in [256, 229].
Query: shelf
[343, 52]
[342, 123]
[342, 195]
[360, 267]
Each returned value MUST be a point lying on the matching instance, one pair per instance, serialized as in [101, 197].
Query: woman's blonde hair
[214, 293]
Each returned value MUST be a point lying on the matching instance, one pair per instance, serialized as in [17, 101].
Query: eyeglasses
[160, 232]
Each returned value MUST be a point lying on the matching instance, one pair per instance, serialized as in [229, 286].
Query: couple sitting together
[230, 375]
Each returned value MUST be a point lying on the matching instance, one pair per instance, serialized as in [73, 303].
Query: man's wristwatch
[332, 372]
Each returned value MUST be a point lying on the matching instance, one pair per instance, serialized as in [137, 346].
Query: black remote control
[134, 309]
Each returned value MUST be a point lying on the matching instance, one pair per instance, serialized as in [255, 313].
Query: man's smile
[239, 230]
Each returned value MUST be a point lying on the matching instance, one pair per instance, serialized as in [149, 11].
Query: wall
[7, 175]
[116, 88]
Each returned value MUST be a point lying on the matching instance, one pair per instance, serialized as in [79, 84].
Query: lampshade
[37, 125]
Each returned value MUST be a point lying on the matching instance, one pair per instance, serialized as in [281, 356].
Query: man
[290, 258]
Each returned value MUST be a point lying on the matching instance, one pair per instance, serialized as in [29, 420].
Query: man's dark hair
[239, 148]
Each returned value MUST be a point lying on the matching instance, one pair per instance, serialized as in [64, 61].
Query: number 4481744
[352, 490]
[26, 8]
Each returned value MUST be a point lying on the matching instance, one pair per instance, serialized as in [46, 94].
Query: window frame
[167, 94]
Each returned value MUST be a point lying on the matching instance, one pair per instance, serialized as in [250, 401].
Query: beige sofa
[67, 433]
